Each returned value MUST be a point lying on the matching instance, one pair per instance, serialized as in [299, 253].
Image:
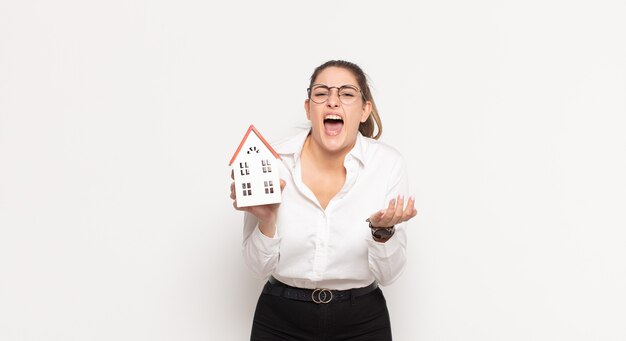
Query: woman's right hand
[266, 214]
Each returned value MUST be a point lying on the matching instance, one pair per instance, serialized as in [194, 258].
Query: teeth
[333, 117]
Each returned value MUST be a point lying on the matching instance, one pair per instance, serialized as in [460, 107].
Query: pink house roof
[245, 137]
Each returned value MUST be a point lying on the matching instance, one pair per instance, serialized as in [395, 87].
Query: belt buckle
[322, 296]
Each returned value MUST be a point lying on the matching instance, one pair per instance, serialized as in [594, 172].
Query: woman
[340, 229]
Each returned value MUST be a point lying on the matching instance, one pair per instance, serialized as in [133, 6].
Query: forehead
[335, 76]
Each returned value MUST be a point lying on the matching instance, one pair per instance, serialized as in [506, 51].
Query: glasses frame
[308, 91]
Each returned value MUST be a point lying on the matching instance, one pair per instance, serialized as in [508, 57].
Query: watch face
[383, 233]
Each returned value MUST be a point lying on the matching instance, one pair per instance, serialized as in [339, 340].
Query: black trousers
[364, 318]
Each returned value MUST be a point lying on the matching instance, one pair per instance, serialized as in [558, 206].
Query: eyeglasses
[319, 93]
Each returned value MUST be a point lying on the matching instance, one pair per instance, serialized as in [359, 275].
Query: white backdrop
[118, 119]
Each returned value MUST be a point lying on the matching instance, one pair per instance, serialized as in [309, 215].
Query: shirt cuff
[264, 243]
[384, 250]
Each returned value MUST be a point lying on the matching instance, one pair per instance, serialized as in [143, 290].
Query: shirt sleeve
[387, 260]
[260, 252]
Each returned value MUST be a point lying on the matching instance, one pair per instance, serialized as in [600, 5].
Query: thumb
[375, 218]
[282, 184]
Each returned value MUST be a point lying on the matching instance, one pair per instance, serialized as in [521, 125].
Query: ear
[367, 109]
[307, 109]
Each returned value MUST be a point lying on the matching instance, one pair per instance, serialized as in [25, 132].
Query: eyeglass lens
[347, 94]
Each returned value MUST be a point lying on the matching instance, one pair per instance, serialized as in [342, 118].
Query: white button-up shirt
[333, 247]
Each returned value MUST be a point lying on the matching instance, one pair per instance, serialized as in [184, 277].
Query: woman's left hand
[395, 213]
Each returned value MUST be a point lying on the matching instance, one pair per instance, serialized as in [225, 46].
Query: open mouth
[333, 124]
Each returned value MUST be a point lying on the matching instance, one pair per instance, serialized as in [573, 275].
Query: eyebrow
[341, 86]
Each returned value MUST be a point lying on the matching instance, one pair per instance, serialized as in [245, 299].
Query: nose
[333, 98]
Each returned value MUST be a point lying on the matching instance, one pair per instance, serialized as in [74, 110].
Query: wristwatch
[383, 233]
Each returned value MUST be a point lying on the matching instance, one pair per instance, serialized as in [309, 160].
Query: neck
[323, 158]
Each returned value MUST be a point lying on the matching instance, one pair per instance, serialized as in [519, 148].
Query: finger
[413, 210]
[282, 184]
[397, 213]
[233, 193]
[375, 218]
[232, 174]
[385, 220]
[399, 209]
[392, 205]
[409, 211]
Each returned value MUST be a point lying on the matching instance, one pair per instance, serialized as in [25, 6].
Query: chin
[336, 143]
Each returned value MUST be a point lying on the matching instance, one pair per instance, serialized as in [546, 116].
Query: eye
[320, 92]
[348, 92]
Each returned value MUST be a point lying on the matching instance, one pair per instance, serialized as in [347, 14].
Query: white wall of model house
[255, 169]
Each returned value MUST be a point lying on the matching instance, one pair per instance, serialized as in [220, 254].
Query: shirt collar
[360, 148]
[294, 146]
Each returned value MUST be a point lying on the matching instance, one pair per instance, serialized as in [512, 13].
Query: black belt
[276, 288]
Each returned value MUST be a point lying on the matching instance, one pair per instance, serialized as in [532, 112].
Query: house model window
[266, 166]
[269, 187]
[246, 189]
[256, 171]
[244, 168]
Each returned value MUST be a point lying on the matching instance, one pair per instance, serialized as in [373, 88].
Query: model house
[255, 168]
